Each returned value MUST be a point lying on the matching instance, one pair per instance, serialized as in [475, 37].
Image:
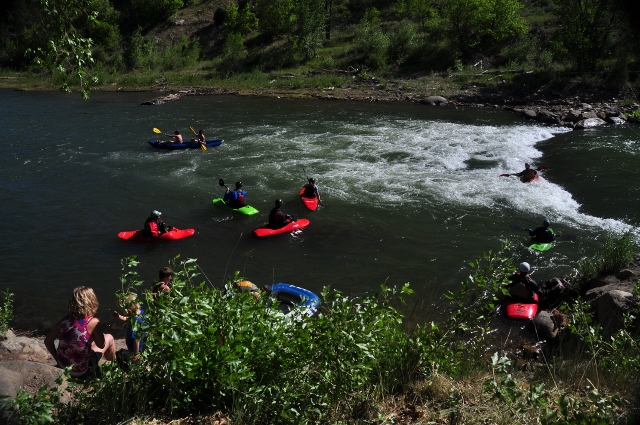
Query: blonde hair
[83, 303]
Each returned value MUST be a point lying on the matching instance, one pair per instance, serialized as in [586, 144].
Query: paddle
[155, 130]
[202, 146]
[540, 168]
[221, 183]
[518, 228]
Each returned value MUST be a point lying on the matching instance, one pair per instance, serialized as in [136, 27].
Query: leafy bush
[617, 252]
[6, 311]
[25, 409]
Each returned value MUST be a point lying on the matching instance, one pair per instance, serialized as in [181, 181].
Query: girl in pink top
[80, 337]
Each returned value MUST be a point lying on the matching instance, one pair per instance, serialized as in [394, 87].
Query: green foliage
[144, 12]
[311, 19]
[6, 310]
[371, 43]
[239, 21]
[25, 409]
[276, 17]
[477, 25]
[402, 42]
[589, 29]
[548, 407]
[617, 252]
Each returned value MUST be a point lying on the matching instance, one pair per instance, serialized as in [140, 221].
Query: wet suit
[542, 234]
[278, 219]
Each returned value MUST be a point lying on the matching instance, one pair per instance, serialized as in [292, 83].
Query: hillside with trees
[146, 43]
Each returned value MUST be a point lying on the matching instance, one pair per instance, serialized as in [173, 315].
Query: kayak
[293, 299]
[525, 179]
[301, 223]
[138, 235]
[541, 246]
[174, 146]
[246, 210]
[310, 203]
[517, 309]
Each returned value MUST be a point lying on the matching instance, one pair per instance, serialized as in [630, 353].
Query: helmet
[155, 213]
[278, 202]
[546, 223]
[527, 165]
[312, 180]
[176, 132]
[238, 184]
[524, 267]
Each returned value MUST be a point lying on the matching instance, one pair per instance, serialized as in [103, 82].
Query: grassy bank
[216, 355]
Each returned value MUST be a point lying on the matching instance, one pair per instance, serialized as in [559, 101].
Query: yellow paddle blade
[191, 127]
[155, 130]
[203, 147]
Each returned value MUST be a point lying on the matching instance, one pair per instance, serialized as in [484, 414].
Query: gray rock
[626, 274]
[545, 325]
[588, 115]
[611, 284]
[10, 382]
[615, 120]
[529, 114]
[434, 100]
[611, 308]
[588, 123]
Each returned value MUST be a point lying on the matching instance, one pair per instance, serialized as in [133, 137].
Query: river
[412, 193]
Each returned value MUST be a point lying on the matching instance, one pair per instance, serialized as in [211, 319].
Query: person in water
[235, 198]
[528, 173]
[311, 190]
[199, 140]
[154, 226]
[523, 287]
[543, 234]
[81, 341]
[176, 137]
[277, 218]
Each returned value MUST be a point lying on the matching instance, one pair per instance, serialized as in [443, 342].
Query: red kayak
[310, 203]
[517, 309]
[527, 179]
[138, 236]
[301, 223]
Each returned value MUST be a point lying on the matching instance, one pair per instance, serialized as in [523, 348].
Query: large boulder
[546, 325]
[434, 100]
[611, 308]
[589, 123]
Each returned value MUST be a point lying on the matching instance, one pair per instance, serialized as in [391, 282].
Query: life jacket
[152, 227]
[309, 191]
[278, 219]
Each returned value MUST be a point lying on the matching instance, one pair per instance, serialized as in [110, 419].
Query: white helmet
[524, 267]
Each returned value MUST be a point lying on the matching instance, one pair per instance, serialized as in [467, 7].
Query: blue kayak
[160, 144]
[294, 299]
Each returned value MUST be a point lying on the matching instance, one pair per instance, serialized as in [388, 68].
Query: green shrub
[6, 311]
[617, 252]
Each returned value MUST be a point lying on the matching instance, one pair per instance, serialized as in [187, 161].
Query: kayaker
[235, 198]
[277, 218]
[200, 139]
[154, 226]
[176, 136]
[523, 287]
[528, 173]
[543, 234]
[311, 190]
[164, 280]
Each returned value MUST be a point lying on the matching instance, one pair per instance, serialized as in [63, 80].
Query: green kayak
[246, 210]
[541, 246]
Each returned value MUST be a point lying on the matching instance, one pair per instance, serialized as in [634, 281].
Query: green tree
[277, 17]
[589, 30]
[477, 25]
[311, 29]
[145, 13]
[239, 21]
[57, 44]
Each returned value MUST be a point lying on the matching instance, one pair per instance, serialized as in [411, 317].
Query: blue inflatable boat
[295, 300]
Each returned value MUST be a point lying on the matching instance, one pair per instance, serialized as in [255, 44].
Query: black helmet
[238, 184]
[312, 180]
[278, 202]
[176, 132]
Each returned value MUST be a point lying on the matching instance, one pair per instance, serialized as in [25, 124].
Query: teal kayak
[246, 210]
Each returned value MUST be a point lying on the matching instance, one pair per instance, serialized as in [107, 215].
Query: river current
[411, 193]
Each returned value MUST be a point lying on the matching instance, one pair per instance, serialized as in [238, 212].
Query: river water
[412, 193]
